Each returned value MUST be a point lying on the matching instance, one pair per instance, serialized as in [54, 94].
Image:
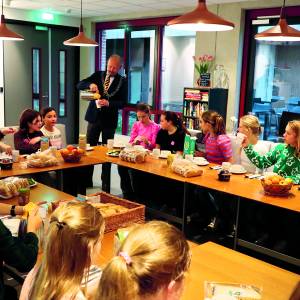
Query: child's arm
[263, 161]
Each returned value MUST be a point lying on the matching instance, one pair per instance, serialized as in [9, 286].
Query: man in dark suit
[102, 114]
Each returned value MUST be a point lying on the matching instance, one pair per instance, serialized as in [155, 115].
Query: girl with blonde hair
[250, 127]
[285, 157]
[73, 242]
[151, 264]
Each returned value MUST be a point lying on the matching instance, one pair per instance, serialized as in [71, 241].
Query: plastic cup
[110, 144]
[15, 155]
[156, 153]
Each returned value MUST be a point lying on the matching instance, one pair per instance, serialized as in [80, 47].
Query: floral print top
[282, 157]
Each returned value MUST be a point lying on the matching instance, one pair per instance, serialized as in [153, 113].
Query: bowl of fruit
[71, 154]
[277, 185]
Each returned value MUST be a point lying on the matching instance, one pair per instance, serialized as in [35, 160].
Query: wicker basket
[134, 214]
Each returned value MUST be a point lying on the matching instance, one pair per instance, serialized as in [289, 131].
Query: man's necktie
[106, 82]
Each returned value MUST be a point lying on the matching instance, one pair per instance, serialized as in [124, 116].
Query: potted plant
[203, 64]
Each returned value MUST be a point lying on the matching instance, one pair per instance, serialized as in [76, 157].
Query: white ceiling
[93, 8]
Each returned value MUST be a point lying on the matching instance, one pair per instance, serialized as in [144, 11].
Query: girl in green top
[285, 157]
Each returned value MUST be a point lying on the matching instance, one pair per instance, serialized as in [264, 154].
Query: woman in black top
[171, 135]
[28, 138]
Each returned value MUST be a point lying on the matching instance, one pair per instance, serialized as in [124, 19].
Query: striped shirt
[217, 148]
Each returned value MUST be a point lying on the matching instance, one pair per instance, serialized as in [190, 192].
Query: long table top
[212, 262]
[17, 170]
[237, 186]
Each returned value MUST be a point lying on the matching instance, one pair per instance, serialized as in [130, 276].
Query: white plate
[242, 171]
[163, 156]
[201, 163]
[89, 148]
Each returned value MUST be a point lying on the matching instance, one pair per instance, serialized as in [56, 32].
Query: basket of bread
[185, 168]
[10, 186]
[42, 159]
[119, 212]
[277, 185]
[133, 155]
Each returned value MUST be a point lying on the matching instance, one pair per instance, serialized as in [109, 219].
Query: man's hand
[103, 102]
[35, 140]
[93, 87]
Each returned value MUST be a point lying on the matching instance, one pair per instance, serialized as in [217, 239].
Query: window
[62, 84]
[157, 62]
[36, 79]
[177, 67]
[271, 85]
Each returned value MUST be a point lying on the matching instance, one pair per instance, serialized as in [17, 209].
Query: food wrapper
[133, 155]
[185, 168]
[231, 291]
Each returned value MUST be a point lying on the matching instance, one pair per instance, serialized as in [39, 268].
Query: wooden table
[41, 192]
[212, 262]
[238, 186]
[86, 160]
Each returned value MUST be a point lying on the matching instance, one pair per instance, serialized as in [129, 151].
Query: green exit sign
[41, 28]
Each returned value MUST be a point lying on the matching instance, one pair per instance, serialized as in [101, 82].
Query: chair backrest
[62, 129]
[9, 138]
[285, 118]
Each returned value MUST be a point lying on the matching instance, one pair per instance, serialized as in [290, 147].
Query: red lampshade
[282, 32]
[201, 19]
[6, 34]
[80, 40]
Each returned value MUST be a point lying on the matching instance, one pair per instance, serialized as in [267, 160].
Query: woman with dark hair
[28, 138]
[172, 132]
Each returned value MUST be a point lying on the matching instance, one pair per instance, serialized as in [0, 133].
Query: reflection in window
[112, 42]
[62, 83]
[177, 67]
[276, 84]
[36, 59]
[141, 66]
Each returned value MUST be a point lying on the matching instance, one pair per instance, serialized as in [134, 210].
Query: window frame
[37, 95]
[60, 100]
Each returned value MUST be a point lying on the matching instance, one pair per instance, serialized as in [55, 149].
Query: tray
[134, 214]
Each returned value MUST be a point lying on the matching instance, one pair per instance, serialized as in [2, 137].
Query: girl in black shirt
[171, 135]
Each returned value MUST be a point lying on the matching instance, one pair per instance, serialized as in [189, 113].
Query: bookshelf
[198, 100]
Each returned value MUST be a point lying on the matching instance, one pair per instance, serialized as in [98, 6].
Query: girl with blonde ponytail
[73, 241]
[151, 264]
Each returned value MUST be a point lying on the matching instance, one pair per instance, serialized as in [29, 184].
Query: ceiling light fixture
[201, 19]
[5, 33]
[81, 39]
[282, 32]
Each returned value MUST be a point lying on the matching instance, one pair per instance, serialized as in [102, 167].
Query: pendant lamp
[201, 19]
[282, 32]
[5, 33]
[81, 39]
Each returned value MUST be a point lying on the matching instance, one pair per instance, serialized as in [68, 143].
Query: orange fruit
[70, 147]
[275, 180]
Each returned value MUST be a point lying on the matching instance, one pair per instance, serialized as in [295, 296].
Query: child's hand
[199, 154]
[7, 149]
[35, 140]
[6, 130]
[34, 221]
[245, 142]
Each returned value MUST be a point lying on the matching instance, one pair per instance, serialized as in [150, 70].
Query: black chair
[285, 118]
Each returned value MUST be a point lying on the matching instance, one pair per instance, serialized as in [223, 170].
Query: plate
[242, 171]
[163, 156]
[201, 163]
[89, 148]
[113, 154]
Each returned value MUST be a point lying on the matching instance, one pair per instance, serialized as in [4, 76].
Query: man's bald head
[114, 64]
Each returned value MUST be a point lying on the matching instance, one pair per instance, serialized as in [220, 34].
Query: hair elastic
[126, 257]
